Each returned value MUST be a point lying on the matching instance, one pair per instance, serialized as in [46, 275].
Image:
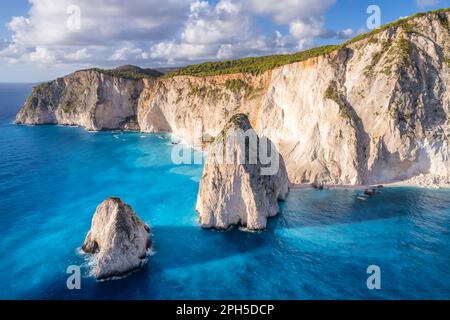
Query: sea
[330, 244]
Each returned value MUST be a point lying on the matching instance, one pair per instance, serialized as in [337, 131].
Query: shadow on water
[183, 246]
[187, 250]
[306, 208]
[176, 248]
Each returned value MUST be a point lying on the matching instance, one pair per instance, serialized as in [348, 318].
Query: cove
[52, 178]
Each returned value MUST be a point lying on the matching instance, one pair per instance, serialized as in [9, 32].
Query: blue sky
[10, 8]
[43, 39]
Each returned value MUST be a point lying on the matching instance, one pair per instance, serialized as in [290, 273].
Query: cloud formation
[160, 32]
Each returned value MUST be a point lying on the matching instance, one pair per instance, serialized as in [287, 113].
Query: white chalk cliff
[234, 189]
[118, 238]
[376, 110]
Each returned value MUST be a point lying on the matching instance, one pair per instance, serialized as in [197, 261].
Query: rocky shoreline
[379, 110]
[417, 182]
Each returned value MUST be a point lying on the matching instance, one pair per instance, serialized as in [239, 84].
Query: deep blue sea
[52, 178]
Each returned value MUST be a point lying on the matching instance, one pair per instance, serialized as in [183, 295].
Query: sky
[41, 40]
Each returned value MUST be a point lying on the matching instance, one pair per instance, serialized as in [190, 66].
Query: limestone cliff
[375, 110]
[118, 238]
[234, 189]
[93, 99]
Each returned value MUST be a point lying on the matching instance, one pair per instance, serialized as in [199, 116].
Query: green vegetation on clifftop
[258, 65]
[130, 72]
[404, 23]
[41, 87]
[252, 65]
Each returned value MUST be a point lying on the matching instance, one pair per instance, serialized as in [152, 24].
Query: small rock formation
[119, 238]
[318, 186]
[235, 192]
[372, 191]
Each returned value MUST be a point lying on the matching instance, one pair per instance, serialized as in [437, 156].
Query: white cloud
[225, 52]
[42, 56]
[223, 23]
[286, 11]
[79, 55]
[157, 32]
[211, 31]
[305, 31]
[304, 17]
[345, 34]
[101, 22]
[108, 27]
[127, 53]
[172, 51]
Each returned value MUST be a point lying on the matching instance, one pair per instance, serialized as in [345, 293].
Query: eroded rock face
[87, 98]
[119, 239]
[374, 111]
[236, 192]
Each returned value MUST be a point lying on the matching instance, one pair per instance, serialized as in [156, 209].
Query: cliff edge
[374, 110]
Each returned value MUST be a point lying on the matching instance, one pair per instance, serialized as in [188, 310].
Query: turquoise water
[52, 178]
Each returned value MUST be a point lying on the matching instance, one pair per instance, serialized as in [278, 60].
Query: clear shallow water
[52, 178]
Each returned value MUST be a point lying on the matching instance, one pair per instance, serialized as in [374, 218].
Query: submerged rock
[370, 192]
[237, 192]
[318, 186]
[119, 239]
[373, 190]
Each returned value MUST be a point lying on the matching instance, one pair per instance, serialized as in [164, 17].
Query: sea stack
[236, 192]
[119, 238]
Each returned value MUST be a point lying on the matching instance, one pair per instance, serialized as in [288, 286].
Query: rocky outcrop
[235, 190]
[376, 110]
[118, 238]
[93, 99]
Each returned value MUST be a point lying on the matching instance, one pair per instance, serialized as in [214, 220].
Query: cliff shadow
[435, 113]
[184, 249]
[362, 137]
[176, 249]
[311, 208]
[383, 166]
[181, 246]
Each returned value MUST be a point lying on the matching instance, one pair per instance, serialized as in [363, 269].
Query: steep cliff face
[372, 112]
[89, 98]
[376, 110]
[185, 105]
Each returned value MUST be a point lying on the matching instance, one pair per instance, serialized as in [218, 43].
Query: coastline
[425, 181]
[325, 228]
[414, 182]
